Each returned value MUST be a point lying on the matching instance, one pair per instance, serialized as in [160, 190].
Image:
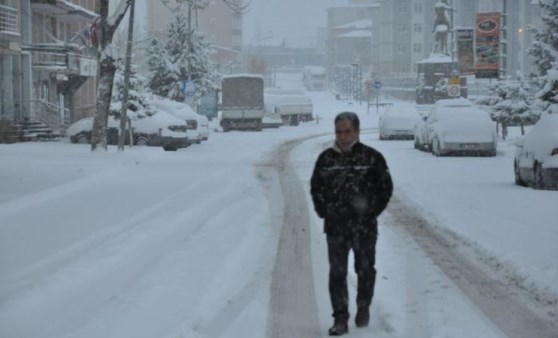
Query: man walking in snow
[350, 186]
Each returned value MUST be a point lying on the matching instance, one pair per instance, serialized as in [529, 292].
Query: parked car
[159, 130]
[536, 155]
[182, 111]
[398, 122]
[456, 126]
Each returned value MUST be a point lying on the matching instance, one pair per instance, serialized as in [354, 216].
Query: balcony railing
[62, 59]
[8, 20]
[66, 63]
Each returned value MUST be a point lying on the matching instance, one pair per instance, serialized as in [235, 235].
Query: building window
[417, 48]
[417, 28]
[401, 7]
[417, 7]
[401, 48]
[401, 29]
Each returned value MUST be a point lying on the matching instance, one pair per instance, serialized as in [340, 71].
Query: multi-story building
[221, 26]
[63, 59]
[389, 37]
[15, 73]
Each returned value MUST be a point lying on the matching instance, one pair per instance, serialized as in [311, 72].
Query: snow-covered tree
[510, 103]
[137, 105]
[160, 76]
[105, 29]
[516, 106]
[545, 55]
[202, 69]
[185, 56]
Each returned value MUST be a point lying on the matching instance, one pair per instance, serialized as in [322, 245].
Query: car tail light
[554, 151]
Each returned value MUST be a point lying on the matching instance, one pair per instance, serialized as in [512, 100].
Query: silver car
[536, 155]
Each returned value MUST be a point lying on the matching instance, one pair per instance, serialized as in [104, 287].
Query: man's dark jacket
[350, 189]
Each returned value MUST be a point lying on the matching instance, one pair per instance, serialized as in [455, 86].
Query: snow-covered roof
[356, 6]
[243, 75]
[179, 109]
[356, 34]
[437, 58]
[77, 8]
[359, 24]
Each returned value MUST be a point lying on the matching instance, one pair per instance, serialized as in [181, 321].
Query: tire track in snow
[293, 307]
[126, 252]
[500, 302]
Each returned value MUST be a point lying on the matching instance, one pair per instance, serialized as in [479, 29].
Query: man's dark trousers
[364, 250]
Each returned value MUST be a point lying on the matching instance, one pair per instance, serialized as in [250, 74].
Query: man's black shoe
[362, 317]
[339, 329]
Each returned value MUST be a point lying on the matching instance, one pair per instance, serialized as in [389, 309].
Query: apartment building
[15, 69]
[63, 59]
[389, 37]
[221, 26]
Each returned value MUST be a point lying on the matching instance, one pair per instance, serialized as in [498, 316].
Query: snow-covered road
[195, 243]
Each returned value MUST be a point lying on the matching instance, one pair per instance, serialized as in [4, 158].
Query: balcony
[9, 23]
[62, 60]
[64, 10]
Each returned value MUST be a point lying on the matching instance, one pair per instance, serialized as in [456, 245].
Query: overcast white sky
[295, 20]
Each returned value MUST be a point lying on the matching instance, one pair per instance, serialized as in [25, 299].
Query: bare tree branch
[238, 6]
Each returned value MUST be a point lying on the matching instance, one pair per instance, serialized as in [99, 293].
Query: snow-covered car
[463, 131]
[423, 135]
[398, 122]
[536, 155]
[158, 130]
[182, 111]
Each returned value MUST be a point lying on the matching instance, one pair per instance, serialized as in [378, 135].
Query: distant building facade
[389, 37]
[15, 66]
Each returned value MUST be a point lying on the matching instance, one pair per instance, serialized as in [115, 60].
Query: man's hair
[348, 115]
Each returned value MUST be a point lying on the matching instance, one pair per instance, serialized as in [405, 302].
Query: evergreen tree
[510, 103]
[545, 54]
[175, 63]
[137, 105]
[159, 68]
[516, 106]
[202, 69]
[176, 48]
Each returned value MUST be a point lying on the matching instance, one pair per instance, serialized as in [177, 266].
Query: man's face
[345, 134]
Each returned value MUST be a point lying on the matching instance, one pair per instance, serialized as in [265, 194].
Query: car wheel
[538, 176]
[141, 141]
[82, 139]
[518, 179]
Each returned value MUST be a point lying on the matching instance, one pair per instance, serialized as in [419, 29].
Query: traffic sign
[454, 90]
[377, 84]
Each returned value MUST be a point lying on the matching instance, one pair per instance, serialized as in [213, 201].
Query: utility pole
[504, 42]
[127, 70]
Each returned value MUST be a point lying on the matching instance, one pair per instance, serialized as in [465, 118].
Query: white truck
[242, 102]
[293, 106]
